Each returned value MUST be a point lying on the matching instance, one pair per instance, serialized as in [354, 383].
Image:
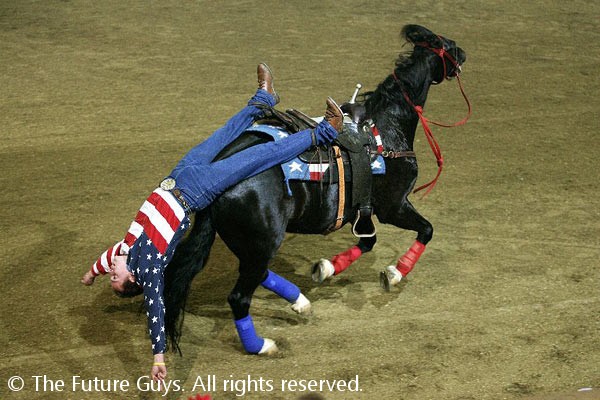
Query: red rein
[435, 147]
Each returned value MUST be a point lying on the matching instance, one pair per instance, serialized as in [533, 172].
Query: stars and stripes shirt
[104, 262]
[150, 243]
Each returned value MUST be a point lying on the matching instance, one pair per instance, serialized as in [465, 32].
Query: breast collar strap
[380, 149]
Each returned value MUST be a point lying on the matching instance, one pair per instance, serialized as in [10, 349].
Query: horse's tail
[189, 259]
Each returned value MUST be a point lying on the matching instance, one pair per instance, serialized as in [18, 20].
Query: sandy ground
[99, 99]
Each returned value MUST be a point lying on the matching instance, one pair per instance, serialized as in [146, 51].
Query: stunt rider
[136, 264]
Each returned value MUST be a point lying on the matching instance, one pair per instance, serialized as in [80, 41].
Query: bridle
[435, 147]
[444, 54]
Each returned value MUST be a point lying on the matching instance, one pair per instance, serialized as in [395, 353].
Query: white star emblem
[148, 257]
[150, 302]
[295, 167]
[148, 242]
[154, 320]
[155, 270]
[158, 255]
[156, 289]
[376, 164]
[158, 338]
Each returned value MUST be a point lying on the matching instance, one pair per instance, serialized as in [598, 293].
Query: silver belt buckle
[168, 184]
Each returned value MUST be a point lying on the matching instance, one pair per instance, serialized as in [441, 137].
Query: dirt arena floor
[99, 100]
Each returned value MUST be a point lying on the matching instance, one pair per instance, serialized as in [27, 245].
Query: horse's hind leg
[239, 299]
[325, 269]
[287, 290]
[253, 227]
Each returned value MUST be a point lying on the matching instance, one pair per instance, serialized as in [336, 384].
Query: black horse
[253, 216]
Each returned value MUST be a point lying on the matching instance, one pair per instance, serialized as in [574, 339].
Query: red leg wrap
[343, 260]
[407, 262]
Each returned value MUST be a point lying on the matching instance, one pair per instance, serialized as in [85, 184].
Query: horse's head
[451, 57]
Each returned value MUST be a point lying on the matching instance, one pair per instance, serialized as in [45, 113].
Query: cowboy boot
[331, 125]
[333, 115]
[265, 80]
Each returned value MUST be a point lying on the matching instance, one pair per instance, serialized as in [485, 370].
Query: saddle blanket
[297, 169]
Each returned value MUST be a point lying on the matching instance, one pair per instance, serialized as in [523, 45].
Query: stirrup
[363, 224]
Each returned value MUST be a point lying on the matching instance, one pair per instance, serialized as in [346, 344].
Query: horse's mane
[409, 69]
[389, 91]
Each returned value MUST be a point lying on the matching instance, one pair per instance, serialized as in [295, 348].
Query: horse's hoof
[301, 305]
[269, 348]
[389, 277]
[322, 270]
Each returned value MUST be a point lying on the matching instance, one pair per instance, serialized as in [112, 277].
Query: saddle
[354, 148]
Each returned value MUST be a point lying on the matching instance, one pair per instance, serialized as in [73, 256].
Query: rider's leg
[214, 179]
[206, 151]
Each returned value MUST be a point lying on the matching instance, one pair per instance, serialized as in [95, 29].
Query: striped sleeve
[103, 263]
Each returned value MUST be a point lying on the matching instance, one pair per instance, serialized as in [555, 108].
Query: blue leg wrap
[251, 341]
[281, 287]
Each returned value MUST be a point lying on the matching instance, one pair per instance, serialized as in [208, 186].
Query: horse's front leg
[325, 269]
[288, 291]
[239, 299]
[406, 217]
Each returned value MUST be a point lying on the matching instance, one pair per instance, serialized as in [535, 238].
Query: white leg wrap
[301, 305]
[269, 348]
[393, 275]
[322, 270]
[389, 277]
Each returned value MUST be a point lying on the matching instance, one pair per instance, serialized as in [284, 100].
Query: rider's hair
[130, 289]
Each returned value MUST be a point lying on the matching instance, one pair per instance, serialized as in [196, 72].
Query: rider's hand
[159, 369]
[88, 279]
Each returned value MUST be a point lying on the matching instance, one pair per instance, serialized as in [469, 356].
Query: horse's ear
[419, 34]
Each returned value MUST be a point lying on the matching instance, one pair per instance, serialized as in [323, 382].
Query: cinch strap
[341, 189]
